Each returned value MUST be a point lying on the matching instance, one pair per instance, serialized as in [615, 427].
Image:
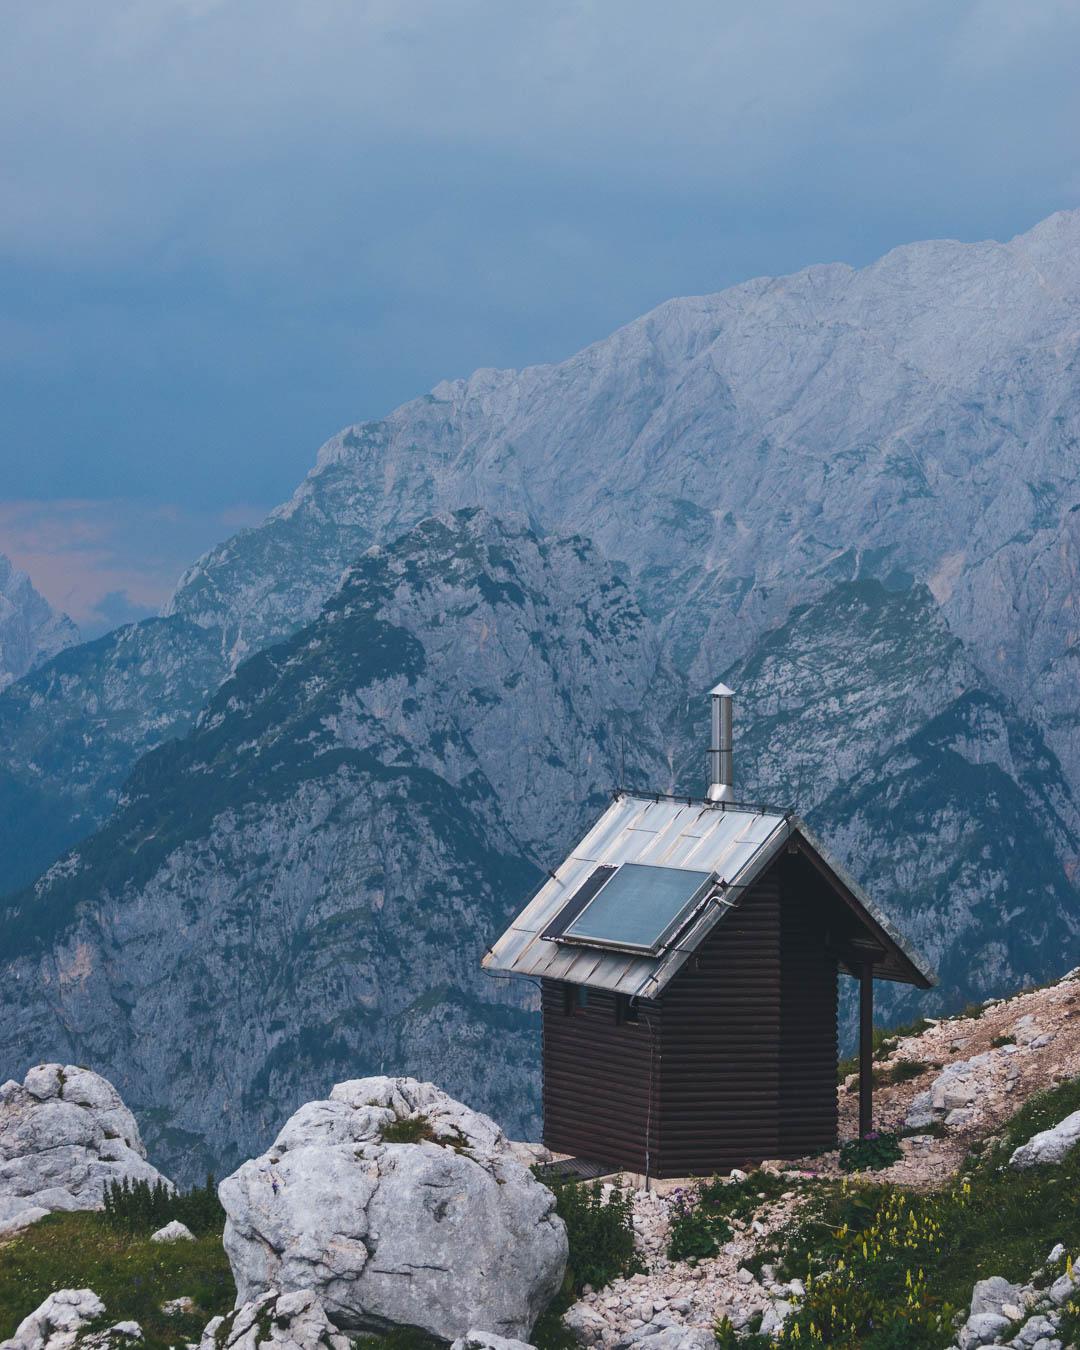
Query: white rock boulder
[1048, 1146]
[57, 1322]
[64, 1135]
[396, 1205]
[174, 1231]
[295, 1321]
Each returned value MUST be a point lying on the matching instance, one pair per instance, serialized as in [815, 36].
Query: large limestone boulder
[1048, 1146]
[64, 1135]
[396, 1205]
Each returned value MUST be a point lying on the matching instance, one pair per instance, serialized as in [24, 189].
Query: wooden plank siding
[734, 1063]
[600, 1079]
[720, 1031]
[808, 1011]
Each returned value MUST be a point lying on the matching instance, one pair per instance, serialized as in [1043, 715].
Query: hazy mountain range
[852, 493]
[31, 631]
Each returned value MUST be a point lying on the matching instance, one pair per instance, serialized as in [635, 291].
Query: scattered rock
[174, 1307]
[776, 1314]
[991, 1294]
[64, 1135]
[174, 1231]
[982, 1329]
[1048, 1146]
[295, 1321]
[442, 1234]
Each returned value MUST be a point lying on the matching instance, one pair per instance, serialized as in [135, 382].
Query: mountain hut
[688, 954]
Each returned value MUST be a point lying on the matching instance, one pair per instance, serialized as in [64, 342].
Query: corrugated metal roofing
[735, 842]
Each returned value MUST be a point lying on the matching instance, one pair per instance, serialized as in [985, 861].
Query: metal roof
[735, 842]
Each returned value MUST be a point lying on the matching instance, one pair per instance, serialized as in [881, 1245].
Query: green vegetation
[697, 1230]
[131, 1275]
[727, 1338]
[138, 1207]
[887, 1269]
[408, 1130]
[871, 1153]
[600, 1233]
[701, 1219]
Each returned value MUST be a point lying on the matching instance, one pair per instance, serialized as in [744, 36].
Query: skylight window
[637, 907]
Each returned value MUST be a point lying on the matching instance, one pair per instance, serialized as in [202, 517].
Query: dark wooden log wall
[736, 1061]
[600, 1079]
[720, 1031]
[808, 1049]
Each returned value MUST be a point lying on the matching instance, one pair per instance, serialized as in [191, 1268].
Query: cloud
[109, 562]
[229, 227]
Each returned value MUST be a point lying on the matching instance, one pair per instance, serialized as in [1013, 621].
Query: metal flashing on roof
[735, 843]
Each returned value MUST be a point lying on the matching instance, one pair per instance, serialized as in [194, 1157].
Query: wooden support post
[866, 1048]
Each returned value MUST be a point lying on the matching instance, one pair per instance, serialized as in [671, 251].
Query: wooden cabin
[688, 954]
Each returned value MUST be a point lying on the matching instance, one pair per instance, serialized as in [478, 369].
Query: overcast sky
[229, 227]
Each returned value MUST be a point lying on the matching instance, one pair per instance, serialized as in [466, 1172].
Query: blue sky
[229, 227]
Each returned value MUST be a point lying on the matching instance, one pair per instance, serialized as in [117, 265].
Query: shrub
[999, 1041]
[727, 1338]
[599, 1230]
[600, 1235]
[408, 1130]
[137, 1207]
[904, 1070]
[870, 1153]
[696, 1230]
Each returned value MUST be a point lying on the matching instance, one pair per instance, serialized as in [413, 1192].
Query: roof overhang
[738, 843]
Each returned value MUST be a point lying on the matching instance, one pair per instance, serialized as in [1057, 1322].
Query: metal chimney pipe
[721, 779]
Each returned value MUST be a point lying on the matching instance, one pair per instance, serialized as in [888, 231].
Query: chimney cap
[722, 691]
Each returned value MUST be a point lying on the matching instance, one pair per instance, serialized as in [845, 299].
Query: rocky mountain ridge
[302, 886]
[31, 631]
[739, 453]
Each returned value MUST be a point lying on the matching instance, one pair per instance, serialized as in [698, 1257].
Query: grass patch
[399, 1338]
[130, 1274]
[408, 1130]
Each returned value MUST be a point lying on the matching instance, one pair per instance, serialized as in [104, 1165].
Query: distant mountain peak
[31, 631]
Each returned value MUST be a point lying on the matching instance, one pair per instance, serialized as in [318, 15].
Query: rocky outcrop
[57, 1321]
[1024, 1316]
[65, 1320]
[1049, 1146]
[64, 1136]
[294, 1321]
[446, 1232]
[30, 629]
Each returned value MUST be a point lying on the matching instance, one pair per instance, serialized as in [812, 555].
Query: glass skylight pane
[638, 905]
